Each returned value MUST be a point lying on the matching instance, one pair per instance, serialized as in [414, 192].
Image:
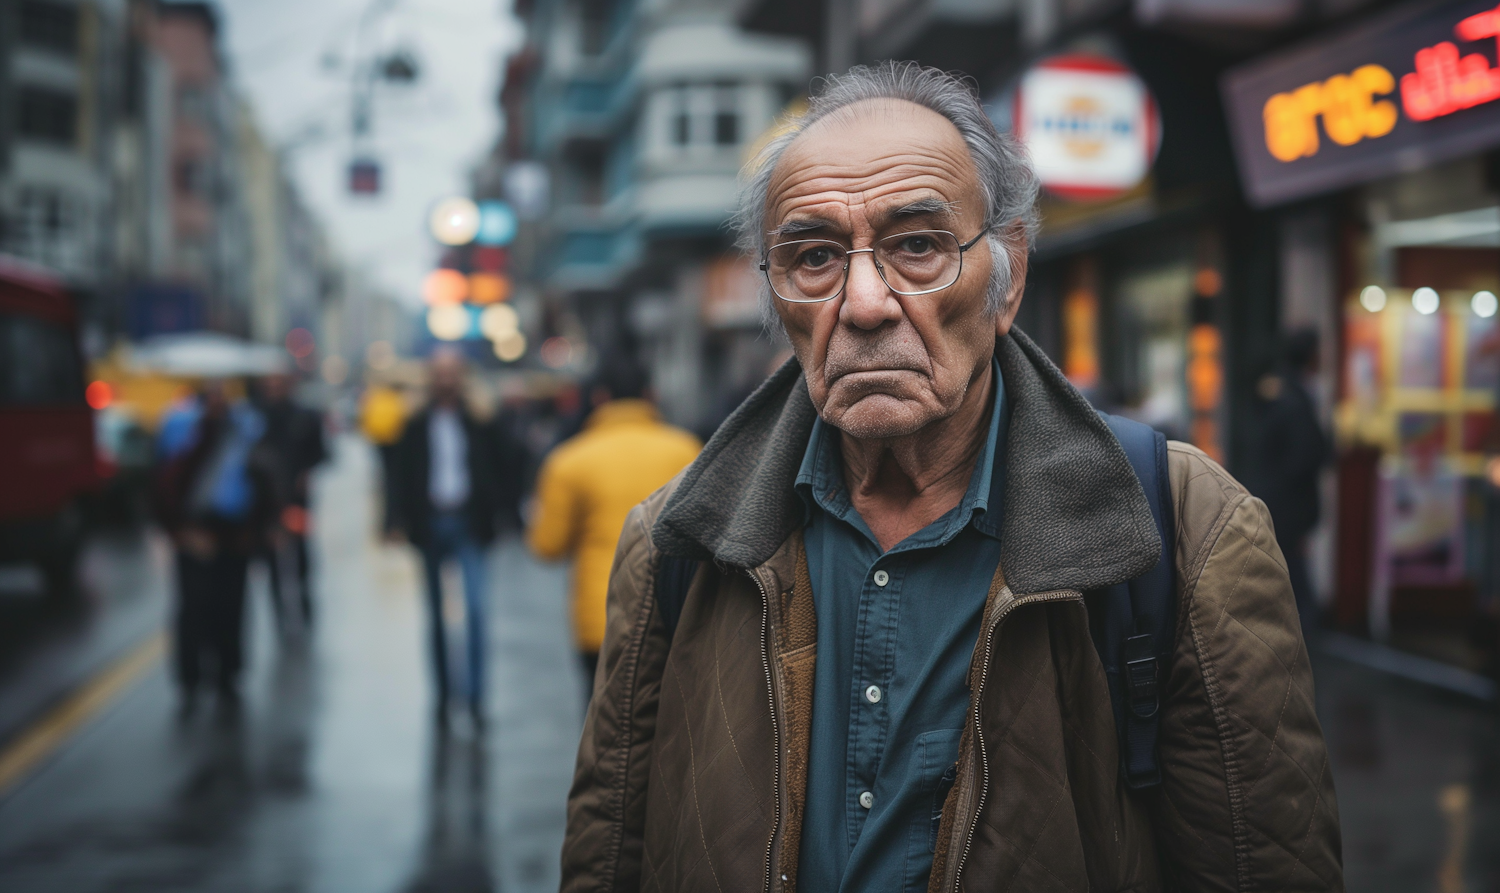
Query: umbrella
[207, 355]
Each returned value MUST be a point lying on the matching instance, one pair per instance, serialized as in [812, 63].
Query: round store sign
[1090, 124]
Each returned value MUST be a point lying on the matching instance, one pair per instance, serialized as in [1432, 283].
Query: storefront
[1385, 136]
[1131, 288]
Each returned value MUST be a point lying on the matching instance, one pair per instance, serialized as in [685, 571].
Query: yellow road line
[47, 734]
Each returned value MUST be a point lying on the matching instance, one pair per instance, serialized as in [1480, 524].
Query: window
[726, 115]
[45, 229]
[704, 117]
[39, 364]
[47, 115]
[49, 26]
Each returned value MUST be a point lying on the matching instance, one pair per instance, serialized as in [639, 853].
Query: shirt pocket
[933, 770]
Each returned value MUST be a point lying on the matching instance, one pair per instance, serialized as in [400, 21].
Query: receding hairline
[894, 106]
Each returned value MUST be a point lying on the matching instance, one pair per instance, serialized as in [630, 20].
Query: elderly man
[882, 674]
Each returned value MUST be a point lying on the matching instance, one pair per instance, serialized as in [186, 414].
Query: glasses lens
[806, 270]
[920, 261]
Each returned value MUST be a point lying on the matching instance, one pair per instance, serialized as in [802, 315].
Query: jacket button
[882, 578]
[867, 799]
[872, 694]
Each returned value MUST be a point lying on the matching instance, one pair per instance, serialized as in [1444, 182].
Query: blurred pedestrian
[294, 439]
[591, 482]
[216, 499]
[1294, 450]
[382, 418]
[443, 500]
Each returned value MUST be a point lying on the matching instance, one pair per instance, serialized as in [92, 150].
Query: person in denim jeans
[443, 500]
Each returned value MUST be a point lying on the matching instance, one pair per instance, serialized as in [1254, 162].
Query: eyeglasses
[810, 271]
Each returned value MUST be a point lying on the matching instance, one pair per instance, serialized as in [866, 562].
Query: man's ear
[1018, 252]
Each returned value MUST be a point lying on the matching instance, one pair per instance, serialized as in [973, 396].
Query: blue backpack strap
[673, 578]
[1133, 624]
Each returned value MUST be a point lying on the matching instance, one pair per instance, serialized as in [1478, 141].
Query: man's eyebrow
[921, 207]
[802, 225]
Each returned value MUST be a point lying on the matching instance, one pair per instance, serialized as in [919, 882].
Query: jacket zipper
[984, 757]
[765, 659]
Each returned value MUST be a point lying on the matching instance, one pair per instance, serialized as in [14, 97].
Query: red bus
[47, 458]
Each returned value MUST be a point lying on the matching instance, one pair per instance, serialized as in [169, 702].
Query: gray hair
[1005, 175]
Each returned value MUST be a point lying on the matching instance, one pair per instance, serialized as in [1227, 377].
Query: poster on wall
[1090, 124]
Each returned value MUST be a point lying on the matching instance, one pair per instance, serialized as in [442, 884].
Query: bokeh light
[1425, 301]
[557, 352]
[448, 322]
[498, 321]
[299, 343]
[488, 288]
[511, 347]
[1372, 298]
[445, 286]
[1484, 304]
[454, 221]
[99, 394]
[497, 224]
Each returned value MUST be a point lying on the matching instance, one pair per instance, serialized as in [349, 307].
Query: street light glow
[1484, 304]
[1425, 301]
[445, 286]
[448, 322]
[454, 221]
[1372, 298]
[498, 321]
[511, 347]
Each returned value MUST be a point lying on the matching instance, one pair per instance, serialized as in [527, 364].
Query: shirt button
[867, 799]
[872, 694]
[882, 578]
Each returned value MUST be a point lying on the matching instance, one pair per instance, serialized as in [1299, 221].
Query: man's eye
[915, 245]
[816, 257]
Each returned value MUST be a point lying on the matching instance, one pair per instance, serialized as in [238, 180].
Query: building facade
[643, 113]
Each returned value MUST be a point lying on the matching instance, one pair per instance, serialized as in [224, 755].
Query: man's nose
[868, 302]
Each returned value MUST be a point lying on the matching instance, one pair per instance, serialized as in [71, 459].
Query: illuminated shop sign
[1090, 125]
[1408, 89]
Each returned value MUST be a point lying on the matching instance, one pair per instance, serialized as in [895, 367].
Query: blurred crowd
[230, 485]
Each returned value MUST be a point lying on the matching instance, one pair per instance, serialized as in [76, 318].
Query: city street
[332, 779]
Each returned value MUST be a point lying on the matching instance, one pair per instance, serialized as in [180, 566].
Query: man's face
[880, 364]
[446, 376]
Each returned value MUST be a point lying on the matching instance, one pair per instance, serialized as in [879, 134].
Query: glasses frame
[963, 247]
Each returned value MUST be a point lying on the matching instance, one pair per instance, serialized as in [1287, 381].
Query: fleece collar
[1074, 515]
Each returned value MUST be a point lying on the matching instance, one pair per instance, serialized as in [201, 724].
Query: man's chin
[878, 416]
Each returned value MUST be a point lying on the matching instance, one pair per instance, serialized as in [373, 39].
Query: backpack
[1132, 624]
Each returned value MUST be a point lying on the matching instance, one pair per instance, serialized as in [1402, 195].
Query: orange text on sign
[1347, 104]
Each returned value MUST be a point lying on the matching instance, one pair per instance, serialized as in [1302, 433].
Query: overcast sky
[293, 59]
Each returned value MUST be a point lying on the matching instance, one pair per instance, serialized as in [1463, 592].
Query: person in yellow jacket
[591, 481]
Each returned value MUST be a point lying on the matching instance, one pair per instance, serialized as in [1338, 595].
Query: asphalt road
[332, 778]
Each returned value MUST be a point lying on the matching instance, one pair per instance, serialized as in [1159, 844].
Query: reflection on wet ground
[332, 778]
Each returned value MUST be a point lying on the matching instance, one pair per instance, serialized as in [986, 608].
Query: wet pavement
[332, 778]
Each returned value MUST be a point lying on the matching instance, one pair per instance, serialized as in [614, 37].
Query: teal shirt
[896, 631]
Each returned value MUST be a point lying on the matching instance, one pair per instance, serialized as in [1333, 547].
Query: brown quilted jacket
[692, 770]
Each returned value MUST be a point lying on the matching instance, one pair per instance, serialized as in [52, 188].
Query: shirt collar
[820, 481]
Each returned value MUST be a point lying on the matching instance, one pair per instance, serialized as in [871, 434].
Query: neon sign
[1446, 82]
[1347, 104]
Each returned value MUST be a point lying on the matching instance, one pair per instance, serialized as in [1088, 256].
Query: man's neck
[900, 485]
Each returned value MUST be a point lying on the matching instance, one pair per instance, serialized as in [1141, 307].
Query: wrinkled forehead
[873, 156]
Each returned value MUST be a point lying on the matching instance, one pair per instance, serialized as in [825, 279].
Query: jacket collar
[1074, 515]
